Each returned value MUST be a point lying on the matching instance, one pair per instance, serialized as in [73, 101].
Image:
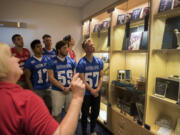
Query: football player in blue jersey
[61, 70]
[36, 73]
[90, 69]
[48, 50]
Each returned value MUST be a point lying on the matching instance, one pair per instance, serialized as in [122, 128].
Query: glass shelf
[165, 101]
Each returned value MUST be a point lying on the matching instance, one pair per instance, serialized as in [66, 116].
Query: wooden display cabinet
[104, 89]
[100, 39]
[125, 125]
[104, 56]
[147, 63]
[162, 63]
[100, 36]
[134, 60]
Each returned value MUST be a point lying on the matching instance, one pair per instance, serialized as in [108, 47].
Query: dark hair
[14, 36]
[67, 38]
[34, 43]
[83, 44]
[60, 44]
[46, 36]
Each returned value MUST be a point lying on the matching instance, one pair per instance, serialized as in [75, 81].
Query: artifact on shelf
[177, 33]
[167, 87]
[141, 85]
[140, 110]
[169, 38]
[123, 75]
[177, 129]
[145, 12]
[176, 3]
[164, 121]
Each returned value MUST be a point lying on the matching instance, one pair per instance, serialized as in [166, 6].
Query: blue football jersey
[91, 71]
[63, 70]
[50, 54]
[39, 75]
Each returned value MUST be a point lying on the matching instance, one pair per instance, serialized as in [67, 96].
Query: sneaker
[93, 133]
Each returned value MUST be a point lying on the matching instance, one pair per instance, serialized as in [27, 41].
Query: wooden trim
[165, 51]
[169, 13]
[146, 104]
[105, 9]
[130, 51]
[165, 101]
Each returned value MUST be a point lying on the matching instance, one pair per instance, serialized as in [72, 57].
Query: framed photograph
[105, 57]
[165, 5]
[121, 19]
[96, 28]
[136, 14]
[135, 40]
[105, 25]
[160, 87]
[176, 3]
[145, 12]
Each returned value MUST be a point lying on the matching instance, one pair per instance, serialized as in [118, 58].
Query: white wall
[57, 21]
[94, 6]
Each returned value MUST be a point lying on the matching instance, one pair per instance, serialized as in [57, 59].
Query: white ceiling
[69, 3]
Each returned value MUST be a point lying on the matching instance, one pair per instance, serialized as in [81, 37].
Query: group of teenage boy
[49, 72]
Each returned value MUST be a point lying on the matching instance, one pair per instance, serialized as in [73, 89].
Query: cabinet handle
[119, 133]
[121, 126]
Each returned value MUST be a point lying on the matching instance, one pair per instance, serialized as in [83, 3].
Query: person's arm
[37, 119]
[28, 78]
[86, 84]
[69, 123]
[74, 71]
[93, 91]
[100, 81]
[56, 82]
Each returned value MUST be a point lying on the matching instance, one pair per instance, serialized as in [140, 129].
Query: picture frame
[165, 5]
[136, 14]
[96, 28]
[105, 25]
[135, 40]
[121, 19]
[160, 87]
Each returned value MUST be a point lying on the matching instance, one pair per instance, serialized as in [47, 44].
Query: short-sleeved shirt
[50, 54]
[39, 75]
[22, 112]
[91, 71]
[23, 57]
[71, 54]
[63, 70]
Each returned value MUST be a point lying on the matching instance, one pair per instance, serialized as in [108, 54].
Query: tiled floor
[101, 130]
